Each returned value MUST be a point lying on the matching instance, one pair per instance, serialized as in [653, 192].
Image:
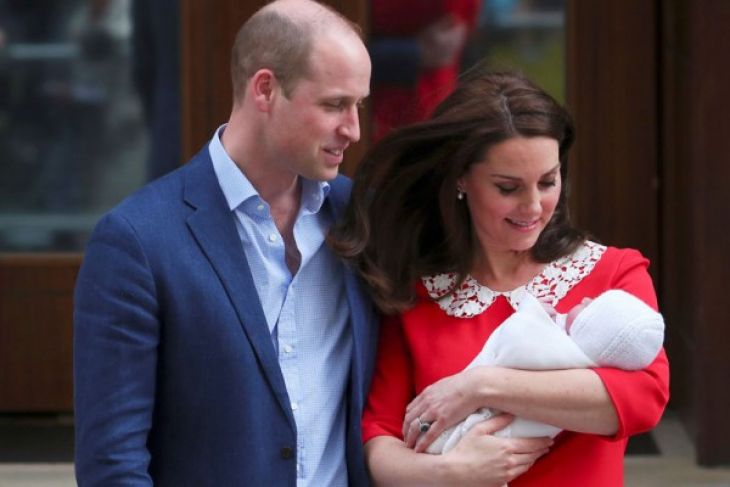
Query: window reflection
[72, 127]
[416, 47]
[522, 35]
[419, 47]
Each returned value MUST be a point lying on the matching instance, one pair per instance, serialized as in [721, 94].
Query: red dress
[436, 339]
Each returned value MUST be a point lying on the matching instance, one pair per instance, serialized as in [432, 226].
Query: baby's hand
[549, 309]
[573, 313]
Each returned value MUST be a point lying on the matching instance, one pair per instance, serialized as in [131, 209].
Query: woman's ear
[460, 187]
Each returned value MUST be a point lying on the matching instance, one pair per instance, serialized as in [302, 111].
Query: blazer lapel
[214, 229]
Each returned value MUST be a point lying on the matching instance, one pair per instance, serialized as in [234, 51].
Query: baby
[615, 329]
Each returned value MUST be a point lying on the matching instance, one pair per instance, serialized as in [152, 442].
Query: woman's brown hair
[404, 220]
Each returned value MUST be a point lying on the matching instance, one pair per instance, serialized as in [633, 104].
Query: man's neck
[277, 187]
[283, 192]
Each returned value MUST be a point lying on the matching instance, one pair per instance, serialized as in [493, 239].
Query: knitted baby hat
[617, 329]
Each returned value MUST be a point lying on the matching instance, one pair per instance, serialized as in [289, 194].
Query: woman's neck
[505, 271]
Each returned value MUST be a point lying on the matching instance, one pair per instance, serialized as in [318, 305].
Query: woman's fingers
[531, 445]
[491, 460]
[412, 430]
[493, 424]
[522, 462]
[520, 446]
[444, 401]
[425, 439]
[411, 423]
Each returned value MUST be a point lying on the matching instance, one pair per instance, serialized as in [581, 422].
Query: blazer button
[286, 453]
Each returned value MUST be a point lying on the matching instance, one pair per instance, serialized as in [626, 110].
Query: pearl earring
[460, 194]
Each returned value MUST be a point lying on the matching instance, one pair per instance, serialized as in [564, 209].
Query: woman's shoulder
[618, 268]
[592, 254]
[621, 257]
[591, 262]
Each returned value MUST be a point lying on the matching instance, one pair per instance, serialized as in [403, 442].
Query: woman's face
[513, 192]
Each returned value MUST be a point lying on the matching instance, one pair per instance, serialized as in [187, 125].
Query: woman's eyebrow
[515, 178]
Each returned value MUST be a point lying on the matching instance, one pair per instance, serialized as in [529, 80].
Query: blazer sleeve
[638, 396]
[116, 333]
[392, 386]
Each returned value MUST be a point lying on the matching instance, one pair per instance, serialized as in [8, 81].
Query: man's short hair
[280, 43]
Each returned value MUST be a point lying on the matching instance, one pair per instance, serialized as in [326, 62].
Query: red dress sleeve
[638, 396]
[392, 386]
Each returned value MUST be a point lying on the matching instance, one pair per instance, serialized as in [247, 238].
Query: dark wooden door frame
[696, 150]
[36, 305]
[647, 86]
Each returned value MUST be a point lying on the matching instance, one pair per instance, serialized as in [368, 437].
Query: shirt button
[286, 453]
[272, 237]
[260, 207]
[294, 406]
[288, 349]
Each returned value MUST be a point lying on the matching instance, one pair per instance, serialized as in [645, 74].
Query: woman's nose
[531, 201]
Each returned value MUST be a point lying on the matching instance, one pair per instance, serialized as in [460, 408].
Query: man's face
[311, 128]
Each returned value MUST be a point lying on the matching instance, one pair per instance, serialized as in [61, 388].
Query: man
[217, 341]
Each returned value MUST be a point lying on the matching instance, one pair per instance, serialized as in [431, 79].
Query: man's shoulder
[160, 200]
[342, 184]
[155, 194]
[340, 189]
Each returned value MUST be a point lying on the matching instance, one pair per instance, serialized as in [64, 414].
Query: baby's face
[574, 311]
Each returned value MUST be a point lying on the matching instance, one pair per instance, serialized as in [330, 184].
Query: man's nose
[350, 126]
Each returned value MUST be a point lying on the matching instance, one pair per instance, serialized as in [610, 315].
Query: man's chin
[321, 177]
[330, 176]
[329, 173]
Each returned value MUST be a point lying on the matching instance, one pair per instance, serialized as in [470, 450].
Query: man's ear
[264, 88]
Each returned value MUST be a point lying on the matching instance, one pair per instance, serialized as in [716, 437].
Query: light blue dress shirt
[307, 315]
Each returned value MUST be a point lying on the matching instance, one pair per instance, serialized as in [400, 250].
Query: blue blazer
[176, 378]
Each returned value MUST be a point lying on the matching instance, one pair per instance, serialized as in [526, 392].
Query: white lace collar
[551, 285]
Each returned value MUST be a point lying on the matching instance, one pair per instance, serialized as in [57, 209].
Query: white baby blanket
[615, 330]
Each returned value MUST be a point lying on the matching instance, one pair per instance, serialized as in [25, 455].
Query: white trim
[550, 286]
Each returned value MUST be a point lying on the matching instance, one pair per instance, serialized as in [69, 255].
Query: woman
[451, 221]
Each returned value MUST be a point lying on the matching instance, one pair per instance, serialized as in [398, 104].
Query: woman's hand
[482, 459]
[442, 404]
[479, 459]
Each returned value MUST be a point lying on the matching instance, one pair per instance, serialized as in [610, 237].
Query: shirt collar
[313, 195]
[237, 189]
